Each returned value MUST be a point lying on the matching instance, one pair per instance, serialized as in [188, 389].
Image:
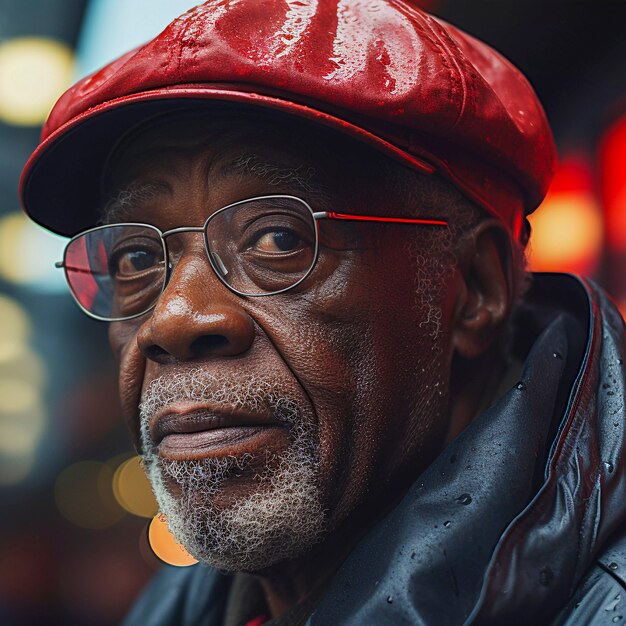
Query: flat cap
[382, 71]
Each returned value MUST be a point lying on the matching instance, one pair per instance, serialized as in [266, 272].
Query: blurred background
[76, 511]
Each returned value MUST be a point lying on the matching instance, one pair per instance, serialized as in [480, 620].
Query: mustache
[241, 392]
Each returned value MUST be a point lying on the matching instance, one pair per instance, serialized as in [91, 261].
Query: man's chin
[231, 516]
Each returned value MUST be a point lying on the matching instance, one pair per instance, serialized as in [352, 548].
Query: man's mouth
[186, 431]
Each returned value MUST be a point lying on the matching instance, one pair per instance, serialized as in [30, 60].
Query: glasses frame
[315, 215]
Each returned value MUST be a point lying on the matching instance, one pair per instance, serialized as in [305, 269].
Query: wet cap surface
[382, 71]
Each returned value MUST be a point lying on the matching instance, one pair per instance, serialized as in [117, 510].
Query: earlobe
[484, 300]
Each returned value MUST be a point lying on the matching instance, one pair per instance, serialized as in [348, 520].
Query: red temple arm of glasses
[397, 220]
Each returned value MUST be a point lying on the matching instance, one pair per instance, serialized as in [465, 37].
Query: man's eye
[278, 241]
[134, 261]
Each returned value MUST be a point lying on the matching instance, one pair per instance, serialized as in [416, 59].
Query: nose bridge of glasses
[182, 229]
[214, 259]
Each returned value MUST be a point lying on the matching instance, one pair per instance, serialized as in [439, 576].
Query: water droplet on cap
[521, 386]
[447, 524]
[389, 599]
[557, 355]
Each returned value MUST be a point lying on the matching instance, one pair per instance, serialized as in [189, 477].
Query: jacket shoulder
[600, 598]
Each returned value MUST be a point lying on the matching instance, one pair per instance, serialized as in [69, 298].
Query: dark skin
[336, 341]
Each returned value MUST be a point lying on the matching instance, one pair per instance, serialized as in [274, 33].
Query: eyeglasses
[257, 247]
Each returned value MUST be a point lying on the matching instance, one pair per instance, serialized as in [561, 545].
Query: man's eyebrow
[120, 206]
[302, 178]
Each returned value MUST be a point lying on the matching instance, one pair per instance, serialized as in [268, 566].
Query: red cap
[382, 71]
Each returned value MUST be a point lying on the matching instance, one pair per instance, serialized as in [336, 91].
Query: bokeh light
[20, 361]
[131, 489]
[613, 180]
[165, 546]
[567, 231]
[22, 374]
[15, 468]
[33, 74]
[84, 495]
[28, 254]
[15, 327]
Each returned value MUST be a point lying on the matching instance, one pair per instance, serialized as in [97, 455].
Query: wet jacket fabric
[520, 520]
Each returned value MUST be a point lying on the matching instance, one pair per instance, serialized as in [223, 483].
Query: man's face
[267, 423]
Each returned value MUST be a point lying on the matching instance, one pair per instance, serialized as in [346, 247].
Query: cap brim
[61, 183]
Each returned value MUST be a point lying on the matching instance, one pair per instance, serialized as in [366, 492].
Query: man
[305, 223]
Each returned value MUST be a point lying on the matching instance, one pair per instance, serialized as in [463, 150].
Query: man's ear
[485, 296]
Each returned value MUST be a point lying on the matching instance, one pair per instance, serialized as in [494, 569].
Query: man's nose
[196, 317]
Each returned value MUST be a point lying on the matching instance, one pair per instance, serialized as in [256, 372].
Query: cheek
[355, 343]
[131, 364]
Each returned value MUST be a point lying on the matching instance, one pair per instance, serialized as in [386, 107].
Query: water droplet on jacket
[613, 604]
[521, 386]
[389, 599]
[464, 498]
[610, 393]
[620, 361]
[447, 524]
[557, 355]
[609, 467]
[616, 424]
[616, 619]
[613, 566]
[546, 576]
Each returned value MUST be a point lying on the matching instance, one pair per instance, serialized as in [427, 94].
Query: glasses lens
[263, 246]
[117, 271]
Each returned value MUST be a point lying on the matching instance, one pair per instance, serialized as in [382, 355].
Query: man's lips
[185, 431]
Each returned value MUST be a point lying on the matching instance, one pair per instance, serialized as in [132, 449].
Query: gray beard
[279, 519]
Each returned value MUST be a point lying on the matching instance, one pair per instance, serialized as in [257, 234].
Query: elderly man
[305, 223]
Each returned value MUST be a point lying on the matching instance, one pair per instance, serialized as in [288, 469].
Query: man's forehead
[144, 166]
[278, 152]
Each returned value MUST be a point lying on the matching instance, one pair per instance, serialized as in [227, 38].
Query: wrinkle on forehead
[301, 179]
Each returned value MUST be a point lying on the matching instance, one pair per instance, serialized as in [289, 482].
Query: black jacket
[521, 520]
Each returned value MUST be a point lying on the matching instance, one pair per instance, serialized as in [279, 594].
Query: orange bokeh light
[165, 546]
[567, 229]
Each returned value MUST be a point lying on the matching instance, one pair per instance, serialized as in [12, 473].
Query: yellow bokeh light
[27, 252]
[165, 546]
[132, 489]
[23, 363]
[566, 234]
[34, 72]
[13, 470]
[20, 432]
[84, 496]
[17, 396]
[15, 325]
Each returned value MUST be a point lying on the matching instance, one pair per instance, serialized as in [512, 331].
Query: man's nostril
[208, 344]
[156, 353]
